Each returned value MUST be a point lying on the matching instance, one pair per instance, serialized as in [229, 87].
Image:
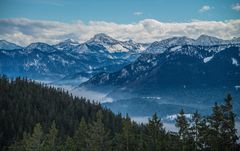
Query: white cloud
[204, 8]
[138, 13]
[236, 7]
[25, 31]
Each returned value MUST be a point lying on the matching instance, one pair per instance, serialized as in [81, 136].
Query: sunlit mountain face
[135, 78]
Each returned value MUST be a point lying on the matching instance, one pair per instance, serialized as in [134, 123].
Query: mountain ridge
[101, 53]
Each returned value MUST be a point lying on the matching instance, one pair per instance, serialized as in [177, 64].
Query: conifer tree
[98, 137]
[228, 124]
[127, 136]
[141, 141]
[203, 134]
[36, 141]
[214, 139]
[126, 139]
[155, 133]
[183, 125]
[195, 130]
[68, 145]
[80, 136]
[51, 141]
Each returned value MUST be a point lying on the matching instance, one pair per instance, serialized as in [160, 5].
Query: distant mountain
[42, 61]
[43, 47]
[161, 46]
[203, 40]
[113, 45]
[188, 67]
[175, 64]
[67, 45]
[8, 45]
[68, 59]
[189, 77]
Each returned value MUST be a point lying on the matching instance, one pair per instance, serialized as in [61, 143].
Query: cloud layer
[25, 31]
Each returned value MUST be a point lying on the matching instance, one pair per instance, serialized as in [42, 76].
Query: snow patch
[152, 97]
[237, 87]
[124, 73]
[176, 48]
[235, 62]
[115, 48]
[207, 59]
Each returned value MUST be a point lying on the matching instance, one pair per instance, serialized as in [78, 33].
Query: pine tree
[51, 141]
[127, 136]
[195, 130]
[127, 139]
[141, 141]
[80, 136]
[228, 124]
[36, 141]
[68, 145]
[155, 133]
[183, 125]
[214, 139]
[98, 137]
[203, 130]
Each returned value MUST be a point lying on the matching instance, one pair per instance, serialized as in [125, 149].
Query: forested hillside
[36, 117]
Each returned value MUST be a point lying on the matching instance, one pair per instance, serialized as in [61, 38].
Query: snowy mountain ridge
[113, 45]
[203, 40]
[8, 45]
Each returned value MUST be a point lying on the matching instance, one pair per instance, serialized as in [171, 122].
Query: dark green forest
[37, 117]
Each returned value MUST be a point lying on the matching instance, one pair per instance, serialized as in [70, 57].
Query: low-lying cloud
[25, 31]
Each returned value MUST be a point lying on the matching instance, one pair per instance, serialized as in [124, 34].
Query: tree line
[37, 117]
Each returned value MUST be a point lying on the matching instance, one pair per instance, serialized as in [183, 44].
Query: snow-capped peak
[113, 45]
[205, 40]
[179, 41]
[40, 46]
[68, 44]
[102, 38]
[161, 46]
[8, 45]
[70, 41]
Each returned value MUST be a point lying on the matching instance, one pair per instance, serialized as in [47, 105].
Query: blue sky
[119, 11]
[52, 21]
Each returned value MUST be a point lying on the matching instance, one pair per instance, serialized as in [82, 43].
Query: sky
[26, 21]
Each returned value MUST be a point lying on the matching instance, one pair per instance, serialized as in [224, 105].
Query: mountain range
[68, 59]
[163, 76]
